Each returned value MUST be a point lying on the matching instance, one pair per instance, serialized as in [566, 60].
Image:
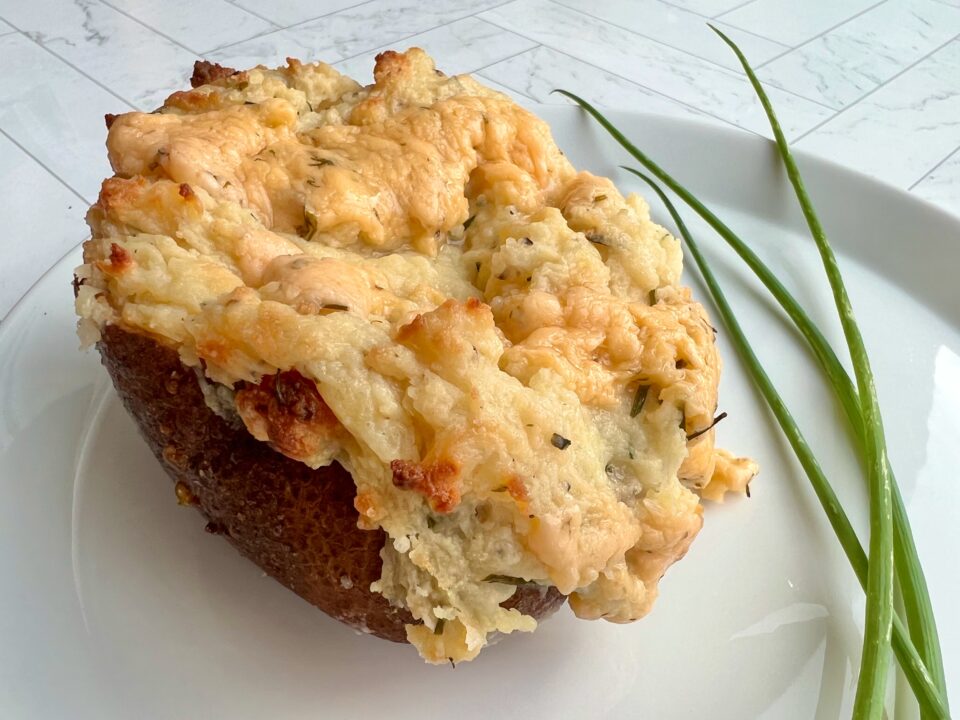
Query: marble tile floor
[872, 84]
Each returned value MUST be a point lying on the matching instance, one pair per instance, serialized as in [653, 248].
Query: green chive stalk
[909, 571]
[920, 680]
[875, 658]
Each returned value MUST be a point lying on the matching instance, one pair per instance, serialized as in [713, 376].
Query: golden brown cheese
[471, 321]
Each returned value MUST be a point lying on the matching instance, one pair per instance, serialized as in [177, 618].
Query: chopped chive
[508, 580]
[310, 224]
[278, 388]
[639, 399]
[709, 427]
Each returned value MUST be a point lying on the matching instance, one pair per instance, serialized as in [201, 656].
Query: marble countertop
[873, 85]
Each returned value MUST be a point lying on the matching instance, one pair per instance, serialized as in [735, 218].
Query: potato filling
[410, 279]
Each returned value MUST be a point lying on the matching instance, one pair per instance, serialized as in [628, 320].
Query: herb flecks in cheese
[475, 316]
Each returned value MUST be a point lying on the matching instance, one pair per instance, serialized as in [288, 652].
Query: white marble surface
[536, 73]
[197, 27]
[793, 22]
[942, 185]
[924, 99]
[841, 66]
[681, 29]
[45, 231]
[58, 121]
[290, 12]
[137, 64]
[661, 68]
[349, 32]
[872, 84]
[463, 46]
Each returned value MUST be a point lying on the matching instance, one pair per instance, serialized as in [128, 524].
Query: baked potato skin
[299, 525]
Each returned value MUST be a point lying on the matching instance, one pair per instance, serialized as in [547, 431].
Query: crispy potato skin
[299, 525]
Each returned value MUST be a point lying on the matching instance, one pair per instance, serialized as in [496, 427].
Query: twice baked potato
[297, 523]
[400, 353]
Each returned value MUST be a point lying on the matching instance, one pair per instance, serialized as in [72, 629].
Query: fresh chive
[278, 388]
[639, 399]
[711, 426]
[508, 580]
[309, 224]
[922, 683]
[909, 571]
[871, 686]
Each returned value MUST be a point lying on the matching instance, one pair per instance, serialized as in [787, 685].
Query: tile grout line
[730, 10]
[42, 164]
[821, 33]
[731, 71]
[878, 87]
[296, 25]
[518, 92]
[725, 70]
[706, 20]
[634, 32]
[71, 65]
[256, 15]
[632, 82]
[199, 53]
[293, 26]
[475, 15]
[141, 23]
[508, 57]
[437, 27]
[426, 30]
[932, 170]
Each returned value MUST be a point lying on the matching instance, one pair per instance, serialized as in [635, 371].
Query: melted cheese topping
[479, 321]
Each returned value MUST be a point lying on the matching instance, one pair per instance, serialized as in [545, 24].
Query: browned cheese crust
[299, 525]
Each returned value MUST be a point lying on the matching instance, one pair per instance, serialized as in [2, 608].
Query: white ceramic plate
[116, 604]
